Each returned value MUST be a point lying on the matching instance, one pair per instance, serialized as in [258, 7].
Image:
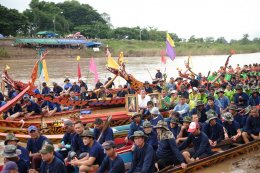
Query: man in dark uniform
[107, 135]
[152, 136]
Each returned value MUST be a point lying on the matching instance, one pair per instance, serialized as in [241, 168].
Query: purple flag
[170, 50]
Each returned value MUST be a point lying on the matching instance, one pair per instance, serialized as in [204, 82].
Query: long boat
[235, 150]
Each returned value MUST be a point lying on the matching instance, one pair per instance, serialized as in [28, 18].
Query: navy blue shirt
[214, 133]
[15, 109]
[77, 145]
[143, 160]
[22, 166]
[134, 127]
[75, 88]
[152, 140]
[215, 108]
[67, 138]
[239, 118]
[112, 166]
[254, 101]
[51, 105]
[200, 144]
[167, 149]
[176, 130]
[253, 125]
[154, 121]
[231, 128]
[97, 152]
[56, 166]
[34, 107]
[24, 155]
[108, 135]
[245, 99]
[35, 145]
[57, 90]
[202, 114]
[45, 90]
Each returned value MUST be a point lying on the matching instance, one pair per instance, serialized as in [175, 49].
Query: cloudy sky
[202, 18]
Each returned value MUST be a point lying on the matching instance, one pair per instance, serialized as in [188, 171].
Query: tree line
[71, 16]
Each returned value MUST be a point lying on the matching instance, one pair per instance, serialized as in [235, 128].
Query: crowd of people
[201, 113]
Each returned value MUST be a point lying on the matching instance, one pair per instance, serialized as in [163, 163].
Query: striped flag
[170, 47]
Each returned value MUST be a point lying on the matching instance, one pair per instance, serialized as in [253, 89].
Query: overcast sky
[202, 18]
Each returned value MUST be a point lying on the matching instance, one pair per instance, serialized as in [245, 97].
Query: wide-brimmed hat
[108, 144]
[186, 119]
[147, 124]
[220, 90]
[10, 137]
[146, 82]
[199, 103]
[210, 117]
[87, 133]
[135, 115]
[155, 111]
[138, 133]
[162, 124]
[239, 87]
[227, 116]
[47, 148]
[67, 79]
[174, 120]
[233, 107]
[11, 151]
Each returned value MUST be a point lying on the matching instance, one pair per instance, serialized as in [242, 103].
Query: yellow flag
[46, 76]
[170, 40]
[112, 63]
[78, 58]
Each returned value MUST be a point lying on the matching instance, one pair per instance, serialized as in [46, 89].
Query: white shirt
[143, 102]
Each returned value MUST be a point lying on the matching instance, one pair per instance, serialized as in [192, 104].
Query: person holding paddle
[102, 132]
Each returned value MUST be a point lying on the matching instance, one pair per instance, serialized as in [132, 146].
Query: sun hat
[10, 137]
[11, 151]
[227, 116]
[135, 115]
[47, 148]
[147, 124]
[187, 119]
[155, 111]
[138, 133]
[87, 133]
[210, 117]
[162, 124]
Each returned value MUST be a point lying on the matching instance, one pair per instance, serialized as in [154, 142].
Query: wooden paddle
[105, 127]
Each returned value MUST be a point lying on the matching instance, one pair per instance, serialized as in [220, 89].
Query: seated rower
[135, 125]
[174, 126]
[76, 142]
[143, 154]
[213, 130]
[200, 141]
[91, 95]
[112, 163]
[167, 152]
[165, 101]
[32, 108]
[107, 134]
[95, 156]
[155, 116]
[15, 111]
[231, 127]
[12, 140]
[183, 134]
[152, 136]
[49, 108]
[121, 92]
[252, 128]
[182, 107]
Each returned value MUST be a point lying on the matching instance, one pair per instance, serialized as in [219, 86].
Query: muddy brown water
[20, 69]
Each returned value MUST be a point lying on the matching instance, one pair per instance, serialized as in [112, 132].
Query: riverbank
[131, 48]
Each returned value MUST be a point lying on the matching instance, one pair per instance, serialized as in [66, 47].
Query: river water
[20, 69]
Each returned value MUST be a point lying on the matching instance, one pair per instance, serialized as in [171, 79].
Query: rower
[45, 89]
[167, 152]
[213, 130]
[76, 142]
[202, 96]
[111, 85]
[95, 156]
[211, 105]
[10, 166]
[107, 134]
[57, 89]
[67, 85]
[158, 75]
[223, 99]
[98, 84]
[121, 92]
[254, 99]
[183, 91]
[65, 145]
[171, 84]
[155, 116]
[151, 135]
[112, 162]
[182, 107]
[160, 86]
[232, 129]
[32, 108]
[75, 87]
[165, 101]
[143, 154]
[91, 95]
[11, 154]
[34, 145]
[252, 128]
[237, 116]
[50, 162]
[50, 108]
[174, 126]
[135, 125]
[200, 141]
[183, 134]
[240, 98]
[147, 87]
[10, 139]
[15, 111]
[200, 111]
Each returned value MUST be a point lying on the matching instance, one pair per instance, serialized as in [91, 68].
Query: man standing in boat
[112, 162]
[200, 141]
[143, 154]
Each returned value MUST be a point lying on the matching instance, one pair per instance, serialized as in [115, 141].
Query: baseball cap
[193, 126]
[47, 148]
[9, 166]
[30, 128]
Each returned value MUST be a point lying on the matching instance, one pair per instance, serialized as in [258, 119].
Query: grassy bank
[132, 48]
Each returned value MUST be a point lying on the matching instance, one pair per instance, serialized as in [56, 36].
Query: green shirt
[167, 99]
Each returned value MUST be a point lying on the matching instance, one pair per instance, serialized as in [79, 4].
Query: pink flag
[163, 59]
[79, 72]
[93, 68]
